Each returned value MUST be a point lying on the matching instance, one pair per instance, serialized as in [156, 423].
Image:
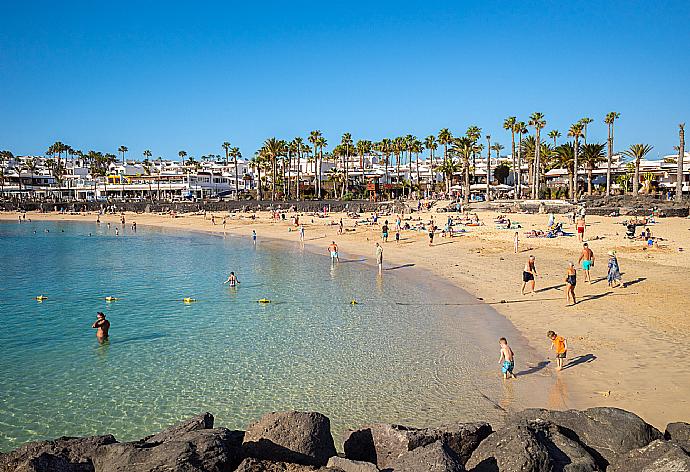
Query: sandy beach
[626, 345]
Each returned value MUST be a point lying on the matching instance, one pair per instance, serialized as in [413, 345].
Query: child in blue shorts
[507, 359]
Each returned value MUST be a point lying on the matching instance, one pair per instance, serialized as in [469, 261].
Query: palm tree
[564, 157]
[554, 134]
[346, 142]
[576, 131]
[584, 122]
[226, 147]
[182, 155]
[236, 154]
[488, 167]
[520, 129]
[417, 147]
[464, 148]
[637, 152]
[322, 142]
[610, 118]
[592, 155]
[509, 125]
[148, 154]
[386, 148]
[314, 138]
[273, 148]
[537, 120]
[681, 157]
[299, 145]
[123, 150]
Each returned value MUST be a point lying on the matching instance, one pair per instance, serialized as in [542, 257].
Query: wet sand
[625, 345]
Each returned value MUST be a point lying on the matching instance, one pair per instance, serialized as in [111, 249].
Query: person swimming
[102, 326]
[232, 280]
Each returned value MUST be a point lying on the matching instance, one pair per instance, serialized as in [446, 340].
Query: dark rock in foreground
[536, 446]
[435, 457]
[382, 444]
[257, 465]
[607, 433]
[598, 439]
[297, 437]
[659, 456]
[680, 433]
[60, 455]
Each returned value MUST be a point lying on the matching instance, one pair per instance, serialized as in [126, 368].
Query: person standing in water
[587, 259]
[507, 359]
[379, 256]
[333, 250]
[102, 326]
[254, 237]
[528, 274]
[570, 282]
[232, 280]
[301, 233]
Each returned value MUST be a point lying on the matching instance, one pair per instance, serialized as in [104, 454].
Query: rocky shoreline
[534, 440]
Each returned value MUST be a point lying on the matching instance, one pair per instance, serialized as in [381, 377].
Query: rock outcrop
[536, 446]
[296, 437]
[383, 444]
[598, 439]
[607, 433]
[60, 455]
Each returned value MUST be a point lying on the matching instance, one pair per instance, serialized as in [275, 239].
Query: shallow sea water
[397, 356]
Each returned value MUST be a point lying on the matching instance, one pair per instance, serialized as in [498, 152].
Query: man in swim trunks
[507, 359]
[333, 250]
[528, 274]
[102, 326]
[232, 280]
[581, 228]
[587, 259]
[384, 232]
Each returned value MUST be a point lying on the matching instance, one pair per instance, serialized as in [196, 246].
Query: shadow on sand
[584, 359]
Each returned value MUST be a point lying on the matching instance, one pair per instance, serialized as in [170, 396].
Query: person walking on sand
[570, 282]
[507, 359]
[560, 344]
[432, 230]
[581, 228]
[384, 232]
[333, 251]
[102, 326]
[379, 256]
[614, 275]
[516, 241]
[301, 233]
[225, 221]
[587, 260]
[528, 274]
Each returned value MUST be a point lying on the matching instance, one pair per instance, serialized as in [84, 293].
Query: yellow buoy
[40, 298]
[188, 300]
[263, 300]
[111, 299]
[354, 302]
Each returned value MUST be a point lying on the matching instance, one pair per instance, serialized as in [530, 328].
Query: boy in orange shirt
[561, 346]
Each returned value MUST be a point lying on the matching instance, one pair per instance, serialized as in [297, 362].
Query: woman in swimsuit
[528, 274]
[570, 282]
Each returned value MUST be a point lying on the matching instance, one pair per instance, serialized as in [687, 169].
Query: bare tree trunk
[575, 167]
[636, 178]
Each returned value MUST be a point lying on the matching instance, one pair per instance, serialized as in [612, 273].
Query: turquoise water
[380, 360]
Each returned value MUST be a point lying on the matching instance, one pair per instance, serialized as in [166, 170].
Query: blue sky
[170, 76]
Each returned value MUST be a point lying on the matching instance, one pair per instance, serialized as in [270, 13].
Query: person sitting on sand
[102, 326]
[570, 282]
[232, 280]
[507, 359]
[560, 344]
[587, 260]
[528, 274]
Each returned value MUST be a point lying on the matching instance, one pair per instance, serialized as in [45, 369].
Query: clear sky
[187, 76]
